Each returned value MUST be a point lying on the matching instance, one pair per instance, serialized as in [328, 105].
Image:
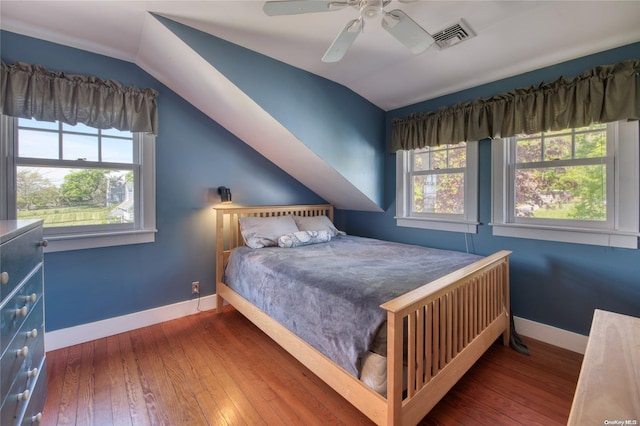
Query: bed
[435, 331]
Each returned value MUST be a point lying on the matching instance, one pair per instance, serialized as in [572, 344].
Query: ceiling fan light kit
[396, 22]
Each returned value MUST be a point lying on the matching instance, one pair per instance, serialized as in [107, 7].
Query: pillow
[261, 232]
[316, 223]
[303, 238]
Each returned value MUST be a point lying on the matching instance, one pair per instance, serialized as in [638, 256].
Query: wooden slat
[420, 355]
[411, 354]
[442, 343]
[428, 338]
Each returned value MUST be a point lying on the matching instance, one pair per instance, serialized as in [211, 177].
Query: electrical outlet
[195, 287]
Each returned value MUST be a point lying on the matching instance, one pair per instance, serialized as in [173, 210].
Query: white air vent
[453, 35]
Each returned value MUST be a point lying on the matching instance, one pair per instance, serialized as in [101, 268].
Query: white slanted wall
[205, 87]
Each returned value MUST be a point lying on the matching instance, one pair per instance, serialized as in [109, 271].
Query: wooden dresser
[608, 391]
[22, 362]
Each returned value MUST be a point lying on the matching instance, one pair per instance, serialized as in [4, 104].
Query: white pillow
[316, 223]
[261, 232]
[303, 238]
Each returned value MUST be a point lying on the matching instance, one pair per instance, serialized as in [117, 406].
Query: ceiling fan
[396, 22]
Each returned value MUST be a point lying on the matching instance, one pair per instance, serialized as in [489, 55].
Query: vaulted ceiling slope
[172, 61]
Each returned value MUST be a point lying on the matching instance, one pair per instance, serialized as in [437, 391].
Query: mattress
[329, 294]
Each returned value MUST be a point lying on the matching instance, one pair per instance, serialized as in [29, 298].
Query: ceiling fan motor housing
[370, 8]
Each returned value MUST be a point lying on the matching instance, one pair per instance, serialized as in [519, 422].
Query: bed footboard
[449, 324]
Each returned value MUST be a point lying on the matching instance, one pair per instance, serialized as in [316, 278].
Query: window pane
[83, 128]
[421, 159]
[117, 150]
[36, 144]
[557, 148]
[76, 147]
[591, 145]
[458, 157]
[576, 192]
[116, 133]
[438, 159]
[528, 150]
[70, 197]
[51, 125]
[442, 193]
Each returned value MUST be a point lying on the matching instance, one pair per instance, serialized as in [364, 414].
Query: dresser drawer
[24, 353]
[33, 413]
[18, 257]
[15, 311]
[23, 405]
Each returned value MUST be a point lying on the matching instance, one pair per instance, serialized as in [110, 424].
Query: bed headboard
[228, 228]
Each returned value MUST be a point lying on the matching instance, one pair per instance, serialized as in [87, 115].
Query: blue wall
[342, 128]
[193, 154]
[552, 283]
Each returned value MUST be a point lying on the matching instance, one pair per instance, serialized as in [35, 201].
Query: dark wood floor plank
[285, 386]
[87, 386]
[66, 414]
[214, 400]
[56, 365]
[102, 410]
[210, 369]
[159, 394]
[135, 382]
[120, 409]
[183, 403]
[262, 395]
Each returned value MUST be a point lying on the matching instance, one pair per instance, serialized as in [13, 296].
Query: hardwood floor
[221, 370]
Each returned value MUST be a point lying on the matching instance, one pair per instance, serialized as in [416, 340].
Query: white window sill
[596, 237]
[438, 224]
[98, 239]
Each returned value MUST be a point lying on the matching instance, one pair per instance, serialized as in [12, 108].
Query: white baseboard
[554, 336]
[96, 330]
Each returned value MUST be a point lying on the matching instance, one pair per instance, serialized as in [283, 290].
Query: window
[437, 188]
[578, 185]
[92, 187]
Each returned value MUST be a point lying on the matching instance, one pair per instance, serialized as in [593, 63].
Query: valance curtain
[32, 91]
[601, 95]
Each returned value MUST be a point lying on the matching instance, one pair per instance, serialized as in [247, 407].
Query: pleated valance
[32, 91]
[601, 95]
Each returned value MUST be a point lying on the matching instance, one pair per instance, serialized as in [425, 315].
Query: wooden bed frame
[459, 316]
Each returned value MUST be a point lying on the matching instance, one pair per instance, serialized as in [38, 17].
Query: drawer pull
[4, 278]
[32, 333]
[43, 243]
[22, 312]
[33, 372]
[31, 298]
[24, 395]
[23, 352]
[37, 418]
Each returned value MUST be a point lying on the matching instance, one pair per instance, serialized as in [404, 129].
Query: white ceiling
[512, 37]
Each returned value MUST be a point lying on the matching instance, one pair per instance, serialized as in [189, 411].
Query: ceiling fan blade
[295, 7]
[343, 41]
[407, 31]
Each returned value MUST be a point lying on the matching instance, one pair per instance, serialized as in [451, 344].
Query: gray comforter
[330, 294]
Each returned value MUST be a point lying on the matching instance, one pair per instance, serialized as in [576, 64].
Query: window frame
[466, 222]
[621, 229]
[143, 229]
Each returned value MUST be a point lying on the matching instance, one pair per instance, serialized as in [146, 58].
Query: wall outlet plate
[195, 287]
